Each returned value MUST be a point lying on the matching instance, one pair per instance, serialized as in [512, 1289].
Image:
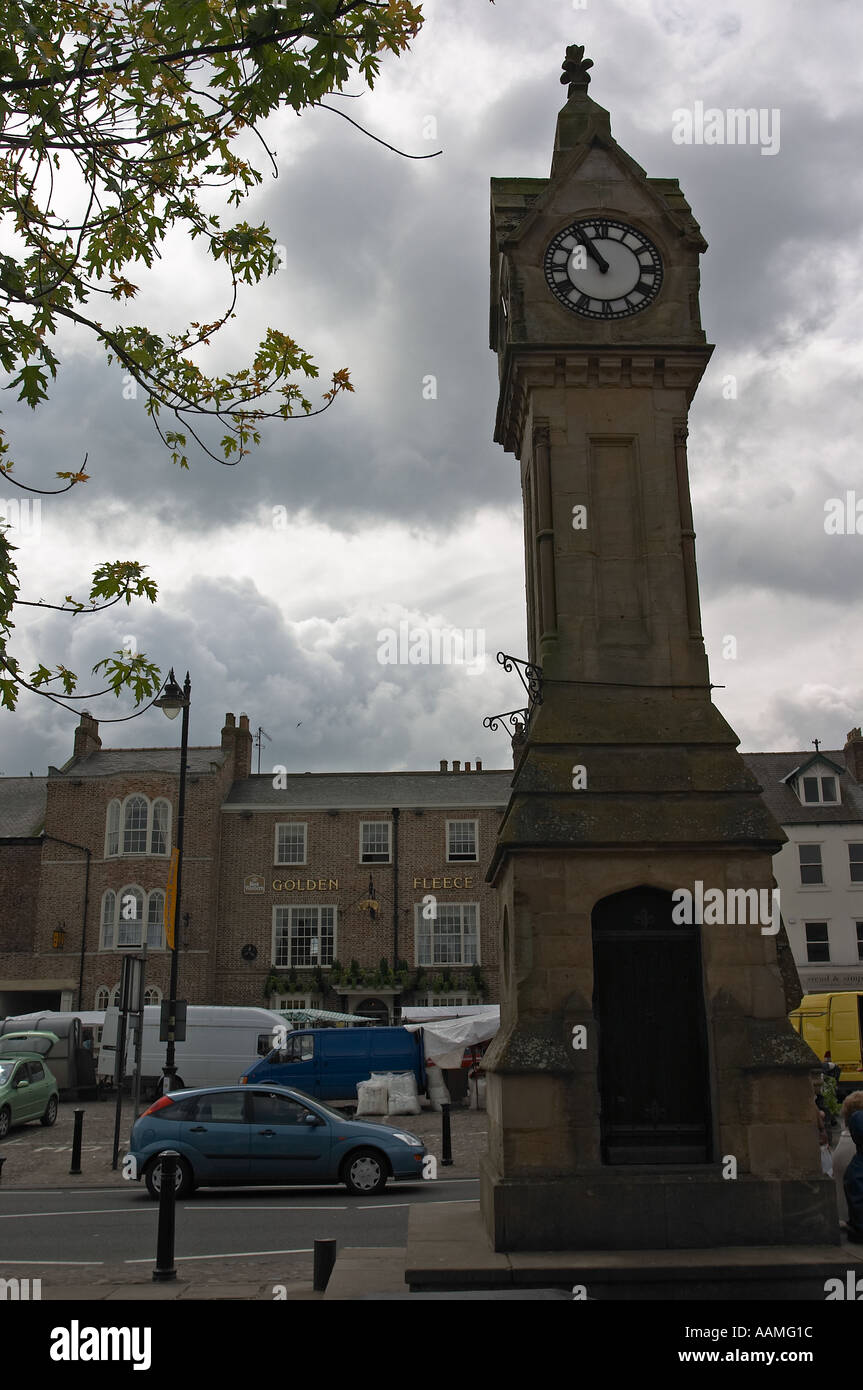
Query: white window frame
[389, 858]
[852, 863]
[279, 921]
[295, 825]
[460, 859]
[127, 802]
[115, 838]
[112, 832]
[811, 844]
[113, 927]
[858, 930]
[279, 1002]
[816, 922]
[151, 828]
[820, 800]
[421, 925]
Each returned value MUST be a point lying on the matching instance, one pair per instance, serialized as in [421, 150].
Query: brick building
[355, 891]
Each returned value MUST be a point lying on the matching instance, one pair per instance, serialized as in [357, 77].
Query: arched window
[103, 996]
[155, 920]
[130, 921]
[112, 829]
[135, 819]
[160, 837]
[152, 995]
[109, 910]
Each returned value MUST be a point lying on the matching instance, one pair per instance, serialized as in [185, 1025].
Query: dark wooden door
[649, 1006]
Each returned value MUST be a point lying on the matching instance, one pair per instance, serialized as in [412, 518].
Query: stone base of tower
[686, 1209]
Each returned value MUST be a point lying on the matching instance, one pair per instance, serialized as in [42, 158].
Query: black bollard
[446, 1136]
[77, 1136]
[325, 1259]
[165, 1270]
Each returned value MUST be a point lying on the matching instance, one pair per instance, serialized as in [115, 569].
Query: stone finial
[575, 65]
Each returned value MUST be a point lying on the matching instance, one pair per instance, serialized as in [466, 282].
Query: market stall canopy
[421, 1013]
[323, 1016]
[444, 1043]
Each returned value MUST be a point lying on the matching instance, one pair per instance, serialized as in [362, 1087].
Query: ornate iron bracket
[516, 717]
[530, 676]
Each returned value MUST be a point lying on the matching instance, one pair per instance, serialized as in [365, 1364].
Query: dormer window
[818, 790]
[816, 781]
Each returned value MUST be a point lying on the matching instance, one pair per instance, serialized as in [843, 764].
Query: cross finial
[575, 66]
[817, 743]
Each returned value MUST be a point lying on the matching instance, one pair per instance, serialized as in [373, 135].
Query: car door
[40, 1090]
[214, 1125]
[284, 1148]
[24, 1105]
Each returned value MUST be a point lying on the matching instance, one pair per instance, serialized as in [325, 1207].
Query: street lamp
[171, 701]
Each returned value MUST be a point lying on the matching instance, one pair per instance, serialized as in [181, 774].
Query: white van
[221, 1044]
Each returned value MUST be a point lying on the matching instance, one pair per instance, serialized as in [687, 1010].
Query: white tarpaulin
[445, 1042]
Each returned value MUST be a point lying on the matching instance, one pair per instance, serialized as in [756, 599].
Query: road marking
[51, 1262]
[231, 1255]
[87, 1211]
[217, 1207]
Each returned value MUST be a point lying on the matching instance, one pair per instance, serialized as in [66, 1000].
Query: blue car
[273, 1135]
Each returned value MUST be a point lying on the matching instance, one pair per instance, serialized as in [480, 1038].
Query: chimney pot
[456, 764]
[444, 766]
[478, 765]
[467, 767]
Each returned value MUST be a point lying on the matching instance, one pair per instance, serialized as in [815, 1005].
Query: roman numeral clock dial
[602, 269]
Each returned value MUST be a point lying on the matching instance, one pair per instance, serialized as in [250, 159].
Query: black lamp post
[171, 701]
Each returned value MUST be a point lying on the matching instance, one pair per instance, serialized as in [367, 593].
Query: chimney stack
[478, 765]
[243, 749]
[854, 755]
[444, 767]
[456, 764]
[87, 738]
[467, 767]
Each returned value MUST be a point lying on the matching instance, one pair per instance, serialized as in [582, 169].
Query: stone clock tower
[645, 1090]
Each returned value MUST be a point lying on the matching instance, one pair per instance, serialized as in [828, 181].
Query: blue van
[328, 1062]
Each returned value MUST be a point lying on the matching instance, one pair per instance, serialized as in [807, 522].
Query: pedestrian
[845, 1151]
[823, 1140]
[854, 1180]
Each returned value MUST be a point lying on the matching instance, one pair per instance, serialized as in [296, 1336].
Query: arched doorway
[648, 1001]
[376, 1009]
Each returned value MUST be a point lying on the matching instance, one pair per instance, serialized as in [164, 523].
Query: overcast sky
[402, 508]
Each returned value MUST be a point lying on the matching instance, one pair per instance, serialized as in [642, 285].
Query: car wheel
[183, 1185]
[50, 1112]
[365, 1173]
[5, 1118]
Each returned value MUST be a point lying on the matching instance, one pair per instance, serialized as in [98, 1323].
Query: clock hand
[591, 250]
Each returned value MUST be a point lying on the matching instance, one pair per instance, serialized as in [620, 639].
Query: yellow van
[834, 1023]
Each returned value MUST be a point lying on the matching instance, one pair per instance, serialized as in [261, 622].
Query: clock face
[602, 269]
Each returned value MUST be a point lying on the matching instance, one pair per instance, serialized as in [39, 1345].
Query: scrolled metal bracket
[517, 717]
[529, 675]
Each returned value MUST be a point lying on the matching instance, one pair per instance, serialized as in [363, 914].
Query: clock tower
[645, 1090]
